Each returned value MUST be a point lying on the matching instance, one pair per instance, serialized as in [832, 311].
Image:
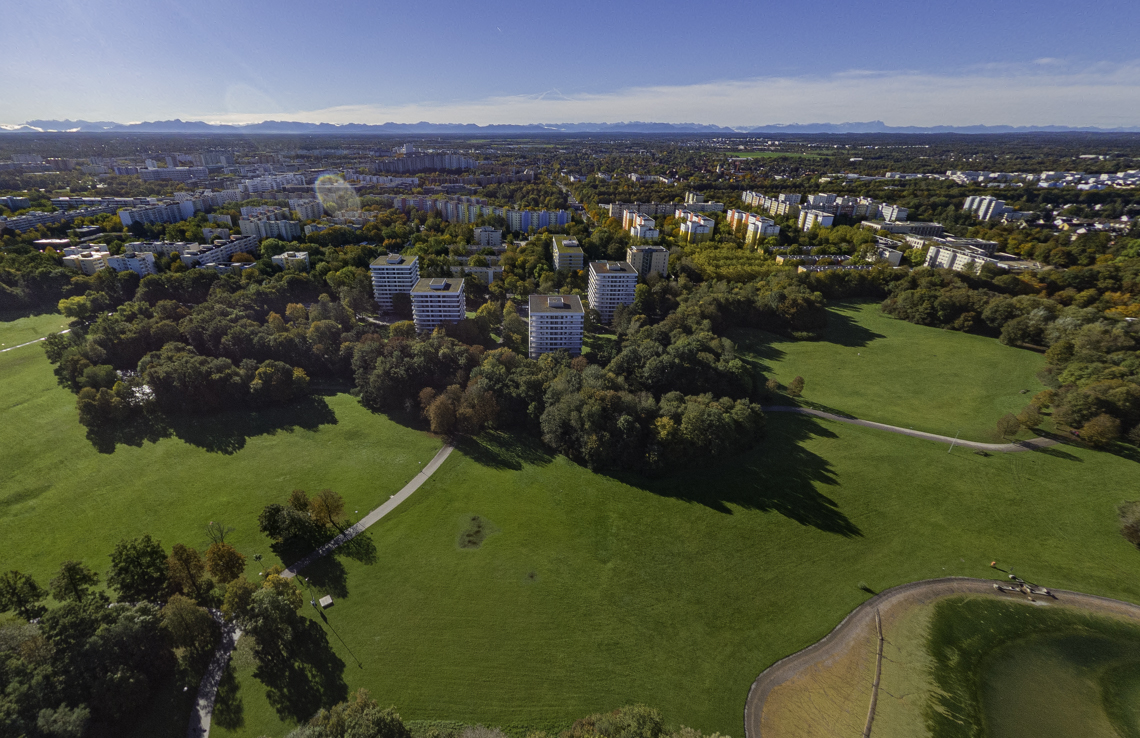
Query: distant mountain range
[294, 127]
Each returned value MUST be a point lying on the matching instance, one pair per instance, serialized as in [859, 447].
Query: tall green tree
[72, 581]
[19, 593]
[138, 570]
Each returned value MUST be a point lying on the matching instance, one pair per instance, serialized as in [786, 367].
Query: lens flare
[335, 194]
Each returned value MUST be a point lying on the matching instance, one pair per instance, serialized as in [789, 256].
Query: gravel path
[1029, 445]
[839, 640]
[373, 517]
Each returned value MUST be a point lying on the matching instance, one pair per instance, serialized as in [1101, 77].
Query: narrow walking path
[29, 343]
[841, 638]
[208, 690]
[373, 517]
[1008, 448]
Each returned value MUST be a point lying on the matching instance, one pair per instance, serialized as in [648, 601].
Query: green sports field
[878, 368]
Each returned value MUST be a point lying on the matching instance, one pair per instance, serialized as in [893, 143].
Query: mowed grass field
[590, 591]
[61, 498]
[29, 328]
[597, 592]
[878, 368]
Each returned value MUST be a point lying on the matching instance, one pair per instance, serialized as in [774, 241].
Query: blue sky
[730, 63]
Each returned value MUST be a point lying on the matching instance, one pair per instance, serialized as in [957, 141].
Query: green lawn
[592, 591]
[596, 593]
[61, 497]
[878, 368]
[22, 330]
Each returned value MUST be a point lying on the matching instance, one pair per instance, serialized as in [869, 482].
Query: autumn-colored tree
[1100, 431]
[186, 570]
[796, 387]
[299, 501]
[224, 562]
[327, 507]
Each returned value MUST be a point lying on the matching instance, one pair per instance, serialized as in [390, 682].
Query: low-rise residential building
[92, 260]
[393, 274]
[888, 251]
[15, 202]
[485, 274]
[214, 234]
[568, 255]
[557, 323]
[612, 283]
[811, 218]
[958, 259]
[926, 229]
[140, 263]
[647, 259]
[436, 301]
[292, 260]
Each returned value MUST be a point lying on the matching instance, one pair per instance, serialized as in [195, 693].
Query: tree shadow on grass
[780, 476]
[501, 450]
[844, 331]
[310, 678]
[229, 712]
[224, 433]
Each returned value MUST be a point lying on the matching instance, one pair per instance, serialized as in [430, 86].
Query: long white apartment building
[811, 218]
[648, 259]
[556, 324]
[612, 283]
[192, 254]
[90, 261]
[436, 301]
[393, 274]
[267, 226]
[171, 212]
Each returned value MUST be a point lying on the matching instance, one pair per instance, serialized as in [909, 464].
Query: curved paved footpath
[208, 689]
[373, 517]
[839, 640]
[29, 343]
[1029, 445]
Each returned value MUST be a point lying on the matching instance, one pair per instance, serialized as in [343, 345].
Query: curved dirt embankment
[906, 595]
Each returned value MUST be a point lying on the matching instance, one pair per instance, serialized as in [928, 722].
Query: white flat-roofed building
[958, 259]
[265, 226]
[307, 209]
[292, 260]
[87, 262]
[642, 226]
[568, 255]
[647, 259]
[488, 237]
[162, 213]
[436, 301]
[141, 263]
[811, 218]
[556, 324]
[612, 283]
[393, 274]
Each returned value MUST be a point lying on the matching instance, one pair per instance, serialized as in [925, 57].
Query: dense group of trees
[85, 666]
[1084, 318]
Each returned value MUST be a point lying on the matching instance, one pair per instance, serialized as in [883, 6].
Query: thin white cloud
[1043, 92]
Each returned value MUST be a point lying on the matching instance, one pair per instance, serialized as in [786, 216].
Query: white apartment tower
[393, 274]
[556, 323]
[436, 301]
[646, 259]
[612, 283]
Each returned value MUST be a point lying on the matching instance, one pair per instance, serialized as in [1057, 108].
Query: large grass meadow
[589, 591]
[878, 368]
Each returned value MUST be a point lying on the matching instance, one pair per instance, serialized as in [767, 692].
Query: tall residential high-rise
[393, 274]
[436, 301]
[556, 323]
[612, 283]
[568, 255]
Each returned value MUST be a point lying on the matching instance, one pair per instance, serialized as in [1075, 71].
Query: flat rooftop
[392, 260]
[612, 267]
[568, 304]
[438, 285]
